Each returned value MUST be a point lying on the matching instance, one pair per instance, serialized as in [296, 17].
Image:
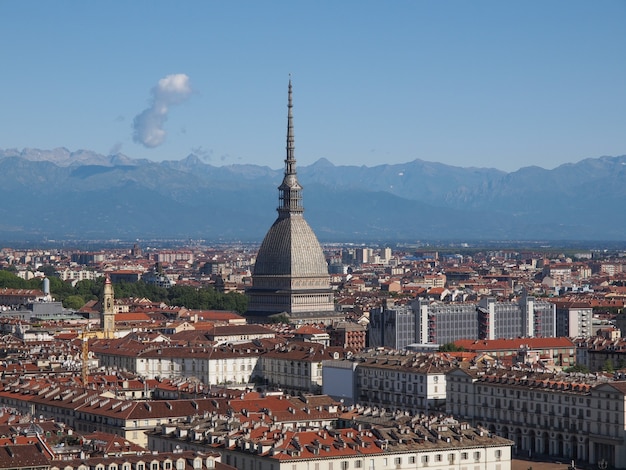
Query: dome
[290, 248]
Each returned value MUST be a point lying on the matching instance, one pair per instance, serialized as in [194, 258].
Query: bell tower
[108, 309]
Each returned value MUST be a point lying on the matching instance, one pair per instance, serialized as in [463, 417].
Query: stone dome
[290, 248]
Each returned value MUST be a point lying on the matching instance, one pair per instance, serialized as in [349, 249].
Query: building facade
[580, 418]
[439, 322]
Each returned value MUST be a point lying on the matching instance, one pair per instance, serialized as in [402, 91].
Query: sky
[481, 83]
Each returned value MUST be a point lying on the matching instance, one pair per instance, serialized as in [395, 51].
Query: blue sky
[502, 84]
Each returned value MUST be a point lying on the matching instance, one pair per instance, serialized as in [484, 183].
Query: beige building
[572, 417]
[297, 366]
[87, 411]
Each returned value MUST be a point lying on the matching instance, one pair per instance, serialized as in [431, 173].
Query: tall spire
[289, 192]
[290, 161]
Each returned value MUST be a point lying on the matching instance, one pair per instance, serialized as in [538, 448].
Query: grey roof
[290, 248]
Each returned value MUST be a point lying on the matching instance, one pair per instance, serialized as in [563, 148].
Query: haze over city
[485, 83]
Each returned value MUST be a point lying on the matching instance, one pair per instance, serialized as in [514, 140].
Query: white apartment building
[78, 274]
[409, 444]
[220, 365]
[393, 380]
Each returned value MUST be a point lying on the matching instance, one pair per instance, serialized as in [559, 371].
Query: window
[358, 464]
[438, 458]
[425, 459]
[397, 460]
[412, 459]
[464, 455]
[476, 455]
[498, 454]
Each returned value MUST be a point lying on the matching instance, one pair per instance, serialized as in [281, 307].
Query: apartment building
[439, 322]
[392, 327]
[575, 417]
[297, 367]
[400, 442]
[414, 383]
[90, 410]
[393, 380]
[600, 353]
[574, 319]
[177, 460]
[211, 365]
[559, 352]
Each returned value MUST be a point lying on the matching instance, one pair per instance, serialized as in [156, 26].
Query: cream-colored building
[297, 366]
[572, 417]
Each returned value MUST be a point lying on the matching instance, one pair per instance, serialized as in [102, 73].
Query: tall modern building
[290, 275]
[426, 322]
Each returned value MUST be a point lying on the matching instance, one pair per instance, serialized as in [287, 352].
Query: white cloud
[148, 125]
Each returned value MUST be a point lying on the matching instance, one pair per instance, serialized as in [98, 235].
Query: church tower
[291, 274]
[108, 309]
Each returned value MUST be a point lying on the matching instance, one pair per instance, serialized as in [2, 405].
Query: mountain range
[83, 195]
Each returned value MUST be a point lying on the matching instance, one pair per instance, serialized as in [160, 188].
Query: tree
[59, 289]
[278, 318]
[48, 270]
[450, 347]
[11, 281]
[88, 289]
[207, 298]
[608, 366]
[74, 302]
[577, 368]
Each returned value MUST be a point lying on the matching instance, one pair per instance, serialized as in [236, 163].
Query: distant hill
[84, 195]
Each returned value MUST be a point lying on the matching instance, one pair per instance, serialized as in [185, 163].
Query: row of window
[154, 465]
[345, 465]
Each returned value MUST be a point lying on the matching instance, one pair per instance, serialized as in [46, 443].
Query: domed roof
[290, 248]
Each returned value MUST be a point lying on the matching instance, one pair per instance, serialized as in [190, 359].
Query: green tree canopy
[74, 302]
[205, 298]
[577, 368]
[450, 347]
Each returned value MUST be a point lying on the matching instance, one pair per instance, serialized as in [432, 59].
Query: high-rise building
[426, 322]
[291, 274]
